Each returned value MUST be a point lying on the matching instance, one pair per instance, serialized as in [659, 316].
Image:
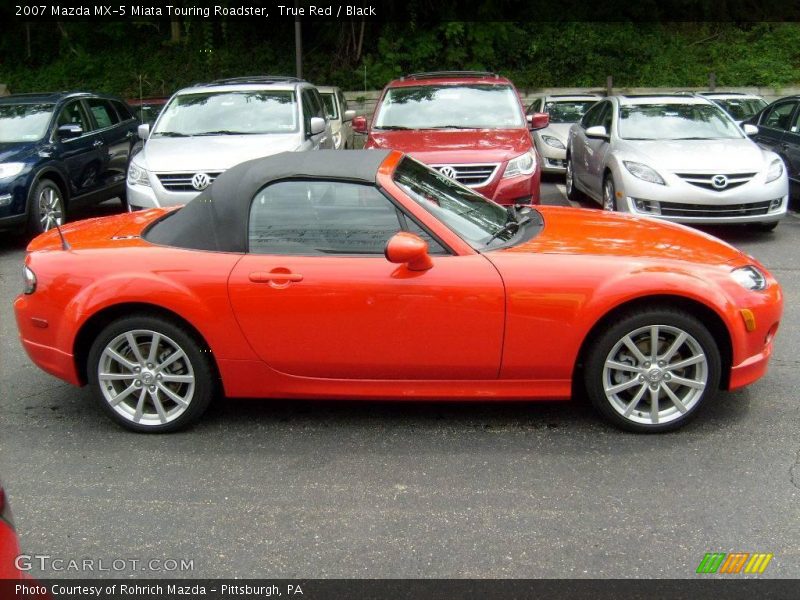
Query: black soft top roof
[217, 218]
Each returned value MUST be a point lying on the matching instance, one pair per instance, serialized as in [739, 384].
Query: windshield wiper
[453, 127]
[393, 127]
[170, 134]
[225, 132]
[513, 224]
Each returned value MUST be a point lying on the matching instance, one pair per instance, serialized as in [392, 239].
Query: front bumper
[682, 202]
[513, 190]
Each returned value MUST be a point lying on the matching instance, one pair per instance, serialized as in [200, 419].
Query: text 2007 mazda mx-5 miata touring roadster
[365, 274]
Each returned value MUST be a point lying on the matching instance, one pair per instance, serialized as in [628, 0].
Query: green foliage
[119, 57]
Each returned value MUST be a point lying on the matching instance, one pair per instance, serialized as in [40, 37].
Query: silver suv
[675, 157]
[205, 129]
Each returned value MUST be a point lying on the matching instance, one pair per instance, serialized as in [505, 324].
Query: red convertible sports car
[365, 274]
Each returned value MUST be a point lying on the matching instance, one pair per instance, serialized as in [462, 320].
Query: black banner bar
[392, 589]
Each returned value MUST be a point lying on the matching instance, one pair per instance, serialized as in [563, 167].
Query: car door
[790, 147]
[116, 138]
[81, 154]
[315, 296]
[580, 144]
[596, 150]
[347, 125]
[773, 123]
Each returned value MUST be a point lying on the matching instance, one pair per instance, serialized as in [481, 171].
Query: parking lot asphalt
[368, 490]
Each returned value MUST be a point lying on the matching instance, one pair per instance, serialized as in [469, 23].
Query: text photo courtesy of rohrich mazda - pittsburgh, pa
[399, 300]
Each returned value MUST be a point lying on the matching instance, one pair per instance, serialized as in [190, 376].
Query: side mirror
[360, 124]
[408, 249]
[538, 121]
[348, 115]
[70, 130]
[597, 132]
[749, 129]
[317, 125]
[144, 131]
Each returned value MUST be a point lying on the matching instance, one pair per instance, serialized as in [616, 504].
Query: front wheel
[150, 374]
[609, 194]
[569, 180]
[47, 207]
[652, 370]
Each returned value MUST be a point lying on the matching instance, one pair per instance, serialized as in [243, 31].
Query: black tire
[609, 193]
[42, 191]
[573, 194]
[197, 364]
[641, 419]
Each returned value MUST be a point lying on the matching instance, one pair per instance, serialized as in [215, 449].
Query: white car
[564, 110]
[205, 129]
[739, 106]
[675, 157]
[340, 118]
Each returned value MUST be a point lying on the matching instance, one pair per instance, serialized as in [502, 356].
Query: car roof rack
[725, 93]
[256, 79]
[662, 95]
[433, 74]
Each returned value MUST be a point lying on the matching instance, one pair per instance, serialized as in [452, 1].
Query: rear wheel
[150, 374]
[652, 370]
[47, 208]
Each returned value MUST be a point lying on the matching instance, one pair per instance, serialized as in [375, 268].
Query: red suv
[470, 126]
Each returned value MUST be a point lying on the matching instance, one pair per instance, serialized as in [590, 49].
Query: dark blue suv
[59, 150]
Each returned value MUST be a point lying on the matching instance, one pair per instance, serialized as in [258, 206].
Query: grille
[182, 182]
[676, 209]
[704, 180]
[469, 175]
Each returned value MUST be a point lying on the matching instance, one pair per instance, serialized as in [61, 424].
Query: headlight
[30, 280]
[553, 142]
[10, 169]
[775, 170]
[643, 172]
[137, 175]
[524, 164]
[750, 278]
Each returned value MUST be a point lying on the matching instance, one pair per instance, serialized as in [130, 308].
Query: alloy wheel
[609, 201]
[146, 377]
[655, 374]
[51, 208]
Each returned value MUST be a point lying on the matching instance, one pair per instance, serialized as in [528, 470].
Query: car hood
[593, 232]
[16, 151]
[455, 145]
[698, 156]
[557, 130]
[212, 152]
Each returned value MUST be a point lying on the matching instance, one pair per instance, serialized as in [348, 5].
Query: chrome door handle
[97, 143]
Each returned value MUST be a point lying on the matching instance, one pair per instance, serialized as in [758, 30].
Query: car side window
[103, 113]
[592, 115]
[319, 105]
[778, 117]
[122, 110]
[607, 116]
[308, 110]
[342, 102]
[73, 114]
[322, 218]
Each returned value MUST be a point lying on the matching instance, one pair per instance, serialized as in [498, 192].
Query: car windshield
[450, 107]
[24, 122]
[676, 122]
[474, 218]
[742, 108]
[231, 113]
[567, 111]
[330, 105]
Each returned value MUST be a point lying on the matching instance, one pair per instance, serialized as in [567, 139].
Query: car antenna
[64, 244]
